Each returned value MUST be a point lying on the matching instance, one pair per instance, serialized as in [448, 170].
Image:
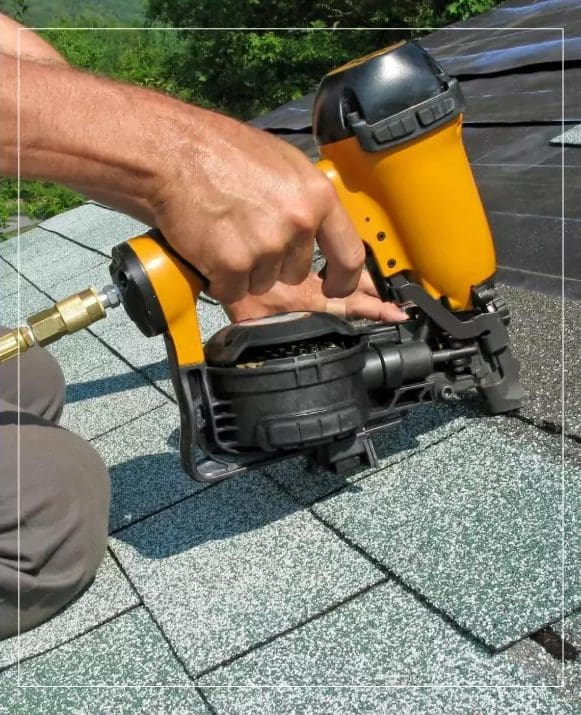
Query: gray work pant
[64, 497]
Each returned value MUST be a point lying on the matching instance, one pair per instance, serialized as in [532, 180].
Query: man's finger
[296, 265]
[229, 287]
[264, 275]
[361, 305]
[390, 313]
[366, 284]
[336, 306]
[344, 252]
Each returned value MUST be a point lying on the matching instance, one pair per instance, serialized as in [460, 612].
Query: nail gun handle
[159, 291]
[385, 250]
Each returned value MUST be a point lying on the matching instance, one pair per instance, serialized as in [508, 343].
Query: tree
[240, 72]
[18, 9]
[130, 55]
[247, 72]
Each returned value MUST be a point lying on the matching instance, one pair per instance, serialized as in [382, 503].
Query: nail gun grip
[156, 234]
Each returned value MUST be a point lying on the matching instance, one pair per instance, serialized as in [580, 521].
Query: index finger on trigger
[344, 251]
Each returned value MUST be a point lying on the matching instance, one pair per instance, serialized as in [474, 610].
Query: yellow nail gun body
[389, 131]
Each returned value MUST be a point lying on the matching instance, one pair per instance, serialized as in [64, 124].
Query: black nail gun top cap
[397, 86]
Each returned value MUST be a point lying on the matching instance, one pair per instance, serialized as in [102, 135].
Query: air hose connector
[14, 342]
[68, 316]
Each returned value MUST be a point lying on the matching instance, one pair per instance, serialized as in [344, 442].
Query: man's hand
[240, 205]
[363, 303]
[244, 207]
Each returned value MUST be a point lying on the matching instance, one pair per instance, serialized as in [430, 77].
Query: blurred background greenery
[242, 73]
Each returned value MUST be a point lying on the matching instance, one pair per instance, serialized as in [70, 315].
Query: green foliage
[42, 13]
[135, 56]
[242, 73]
[38, 199]
[248, 72]
[17, 9]
[463, 9]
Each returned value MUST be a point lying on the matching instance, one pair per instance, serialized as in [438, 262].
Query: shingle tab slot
[473, 524]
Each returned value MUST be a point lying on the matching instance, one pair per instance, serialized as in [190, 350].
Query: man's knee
[42, 384]
[64, 505]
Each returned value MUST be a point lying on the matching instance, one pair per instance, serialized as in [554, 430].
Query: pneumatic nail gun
[389, 130]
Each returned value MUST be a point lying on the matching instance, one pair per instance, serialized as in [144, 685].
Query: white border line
[563, 540]
[18, 382]
[195, 686]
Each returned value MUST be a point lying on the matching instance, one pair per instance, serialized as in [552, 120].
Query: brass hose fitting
[69, 315]
[14, 342]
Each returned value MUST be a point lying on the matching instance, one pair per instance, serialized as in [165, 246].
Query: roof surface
[422, 586]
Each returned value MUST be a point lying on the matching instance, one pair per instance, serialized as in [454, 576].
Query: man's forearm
[17, 39]
[100, 136]
[241, 206]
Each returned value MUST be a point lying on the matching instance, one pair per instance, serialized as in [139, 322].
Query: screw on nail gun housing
[389, 129]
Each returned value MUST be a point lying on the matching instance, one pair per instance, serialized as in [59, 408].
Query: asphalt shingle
[93, 659]
[243, 565]
[49, 260]
[15, 308]
[421, 428]
[105, 701]
[108, 595]
[572, 136]
[572, 629]
[388, 701]
[536, 334]
[117, 668]
[474, 524]
[546, 668]
[94, 226]
[383, 652]
[107, 397]
[82, 353]
[118, 331]
[144, 465]
[9, 279]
